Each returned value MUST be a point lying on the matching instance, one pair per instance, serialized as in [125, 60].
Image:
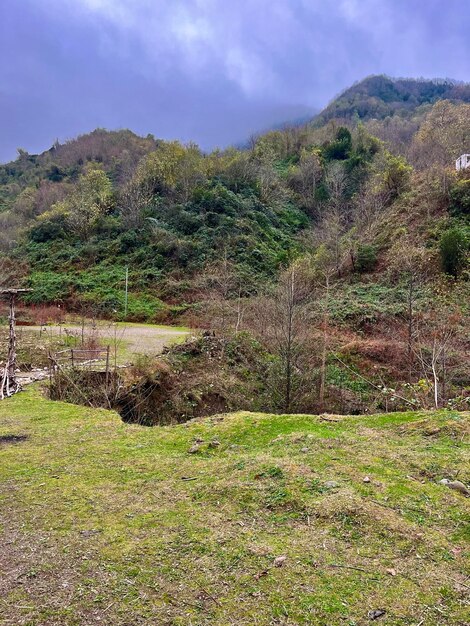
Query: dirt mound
[203, 376]
[455, 428]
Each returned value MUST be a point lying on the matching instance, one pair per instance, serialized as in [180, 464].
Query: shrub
[48, 287]
[366, 258]
[460, 197]
[340, 148]
[453, 247]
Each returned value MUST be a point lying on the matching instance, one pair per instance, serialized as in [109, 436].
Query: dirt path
[130, 339]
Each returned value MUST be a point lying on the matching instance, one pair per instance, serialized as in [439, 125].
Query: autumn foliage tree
[90, 199]
[444, 135]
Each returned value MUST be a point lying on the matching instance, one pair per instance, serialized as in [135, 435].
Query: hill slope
[371, 218]
[382, 96]
[118, 152]
[132, 528]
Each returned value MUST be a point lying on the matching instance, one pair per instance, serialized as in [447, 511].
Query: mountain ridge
[380, 96]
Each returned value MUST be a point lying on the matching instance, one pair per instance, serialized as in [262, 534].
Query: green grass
[108, 523]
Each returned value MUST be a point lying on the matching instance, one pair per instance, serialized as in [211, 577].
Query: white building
[462, 162]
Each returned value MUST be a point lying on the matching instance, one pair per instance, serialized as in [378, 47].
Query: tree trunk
[323, 356]
[435, 377]
[444, 377]
[410, 329]
[290, 321]
[9, 384]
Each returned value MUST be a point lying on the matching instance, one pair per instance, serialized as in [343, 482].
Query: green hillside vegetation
[378, 97]
[117, 151]
[363, 212]
[241, 519]
[83, 211]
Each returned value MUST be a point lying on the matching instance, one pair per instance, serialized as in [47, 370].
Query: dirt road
[130, 339]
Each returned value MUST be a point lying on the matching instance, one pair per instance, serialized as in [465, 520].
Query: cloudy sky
[213, 71]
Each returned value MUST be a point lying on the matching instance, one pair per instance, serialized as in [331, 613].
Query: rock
[331, 484]
[279, 561]
[304, 449]
[429, 432]
[214, 443]
[456, 485]
[366, 479]
[89, 533]
[376, 613]
[194, 449]
[392, 572]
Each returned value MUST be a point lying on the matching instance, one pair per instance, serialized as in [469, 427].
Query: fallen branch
[358, 569]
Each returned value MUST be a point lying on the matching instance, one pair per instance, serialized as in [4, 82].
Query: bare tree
[411, 263]
[334, 216]
[223, 289]
[12, 272]
[324, 268]
[330, 247]
[437, 339]
[133, 199]
[305, 179]
[9, 384]
[284, 324]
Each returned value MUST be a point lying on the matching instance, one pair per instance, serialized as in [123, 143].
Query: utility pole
[127, 292]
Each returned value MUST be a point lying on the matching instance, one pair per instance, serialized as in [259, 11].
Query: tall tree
[284, 323]
[412, 264]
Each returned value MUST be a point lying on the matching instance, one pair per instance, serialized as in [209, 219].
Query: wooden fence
[96, 360]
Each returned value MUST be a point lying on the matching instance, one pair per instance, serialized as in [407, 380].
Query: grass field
[267, 521]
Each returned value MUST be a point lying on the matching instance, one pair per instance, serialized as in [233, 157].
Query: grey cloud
[213, 71]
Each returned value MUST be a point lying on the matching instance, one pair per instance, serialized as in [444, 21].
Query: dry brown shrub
[393, 353]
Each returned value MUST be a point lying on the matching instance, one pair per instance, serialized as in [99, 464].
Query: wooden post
[8, 384]
[126, 296]
[12, 345]
[107, 365]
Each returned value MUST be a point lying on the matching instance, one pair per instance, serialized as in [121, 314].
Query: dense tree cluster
[83, 211]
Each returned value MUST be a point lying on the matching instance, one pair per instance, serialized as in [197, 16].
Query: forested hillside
[351, 232]
[378, 97]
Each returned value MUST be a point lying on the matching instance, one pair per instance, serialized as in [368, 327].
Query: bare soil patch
[6, 440]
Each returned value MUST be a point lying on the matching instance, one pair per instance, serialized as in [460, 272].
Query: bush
[460, 197]
[453, 248]
[48, 229]
[366, 258]
[340, 148]
[48, 287]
